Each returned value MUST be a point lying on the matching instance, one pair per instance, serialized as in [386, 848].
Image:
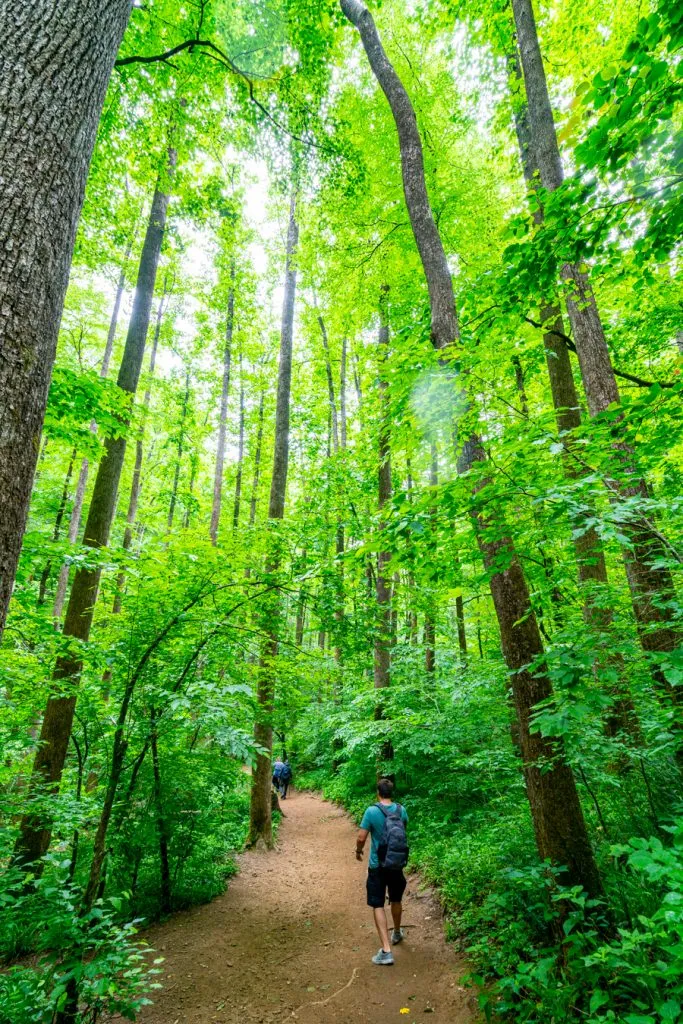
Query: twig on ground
[324, 1002]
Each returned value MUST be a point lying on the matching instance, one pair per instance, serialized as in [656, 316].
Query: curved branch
[640, 381]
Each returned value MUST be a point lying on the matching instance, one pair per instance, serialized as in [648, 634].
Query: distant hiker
[277, 772]
[285, 778]
[385, 823]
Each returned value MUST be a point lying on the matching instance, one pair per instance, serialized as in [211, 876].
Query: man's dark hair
[385, 788]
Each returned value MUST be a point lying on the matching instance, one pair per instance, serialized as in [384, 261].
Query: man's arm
[363, 834]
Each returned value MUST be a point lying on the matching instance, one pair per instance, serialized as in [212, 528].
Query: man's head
[385, 789]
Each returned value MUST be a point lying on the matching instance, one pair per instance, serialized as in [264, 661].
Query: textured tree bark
[260, 815]
[590, 558]
[559, 825]
[57, 60]
[651, 585]
[240, 456]
[34, 837]
[223, 416]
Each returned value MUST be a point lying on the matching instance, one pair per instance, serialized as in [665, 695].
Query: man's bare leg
[396, 914]
[382, 928]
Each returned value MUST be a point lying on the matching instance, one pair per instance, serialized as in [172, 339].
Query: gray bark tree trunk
[559, 825]
[260, 814]
[650, 583]
[56, 63]
[223, 416]
[35, 832]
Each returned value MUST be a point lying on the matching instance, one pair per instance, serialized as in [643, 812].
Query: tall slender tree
[260, 816]
[649, 579]
[382, 653]
[35, 832]
[559, 825]
[223, 413]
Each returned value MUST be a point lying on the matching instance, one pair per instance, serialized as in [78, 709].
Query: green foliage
[276, 97]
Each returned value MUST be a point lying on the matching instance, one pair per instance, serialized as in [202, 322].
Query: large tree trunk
[260, 817]
[559, 825]
[651, 584]
[57, 59]
[35, 832]
[223, 417]
[590, 557]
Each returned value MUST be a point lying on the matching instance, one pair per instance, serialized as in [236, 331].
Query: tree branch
[640, 381]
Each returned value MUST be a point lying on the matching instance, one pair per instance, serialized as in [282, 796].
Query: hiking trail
[291, 941]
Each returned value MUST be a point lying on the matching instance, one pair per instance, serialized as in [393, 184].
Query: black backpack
[392, 849]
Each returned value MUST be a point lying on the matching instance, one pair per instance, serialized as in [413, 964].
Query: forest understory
[340, 421]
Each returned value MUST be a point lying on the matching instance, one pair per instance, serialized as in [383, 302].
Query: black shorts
[381, 879]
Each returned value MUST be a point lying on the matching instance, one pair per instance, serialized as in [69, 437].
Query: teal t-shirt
[373, 822]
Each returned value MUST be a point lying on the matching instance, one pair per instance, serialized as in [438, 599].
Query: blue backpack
[392, 848]
[286, 772]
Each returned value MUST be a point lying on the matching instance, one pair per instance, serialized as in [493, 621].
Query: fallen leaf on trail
[404, 1009]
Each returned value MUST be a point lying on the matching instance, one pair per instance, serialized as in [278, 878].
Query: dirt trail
[291, 940]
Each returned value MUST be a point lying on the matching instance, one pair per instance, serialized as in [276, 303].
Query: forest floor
[292, 938]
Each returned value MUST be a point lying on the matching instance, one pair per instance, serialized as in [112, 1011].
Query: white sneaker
[397, 936]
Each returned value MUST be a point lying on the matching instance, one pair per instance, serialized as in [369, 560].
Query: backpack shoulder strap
[386, 812]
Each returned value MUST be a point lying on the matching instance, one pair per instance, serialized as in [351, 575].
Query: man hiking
[385, 823]
[285, 778]
[277, 772]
